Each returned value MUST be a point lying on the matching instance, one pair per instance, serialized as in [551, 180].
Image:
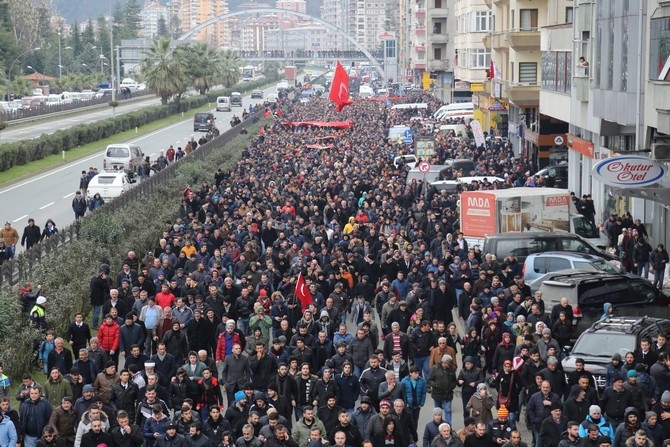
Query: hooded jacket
[625, 430]
[480, 406]
[573, 409]
[604, 427]
[8, 434]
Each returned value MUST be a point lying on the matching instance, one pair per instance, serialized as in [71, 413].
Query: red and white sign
[424, 167]
[386, 36]
[478, 213]
[629, 171]
[557, 201]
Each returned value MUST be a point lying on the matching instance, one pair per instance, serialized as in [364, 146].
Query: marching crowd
[307, 298]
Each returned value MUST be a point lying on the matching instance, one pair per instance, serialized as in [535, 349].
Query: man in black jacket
[32, 234]
[553, 426]
[95, 436]
[126, 434]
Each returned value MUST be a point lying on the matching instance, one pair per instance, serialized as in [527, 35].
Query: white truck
[524, 210]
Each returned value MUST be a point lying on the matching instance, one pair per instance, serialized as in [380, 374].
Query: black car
[614, 335]
[203, 121]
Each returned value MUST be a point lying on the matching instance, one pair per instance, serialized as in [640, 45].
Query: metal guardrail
[27, 115]
[19, 269]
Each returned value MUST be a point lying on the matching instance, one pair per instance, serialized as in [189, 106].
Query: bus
[247, 73]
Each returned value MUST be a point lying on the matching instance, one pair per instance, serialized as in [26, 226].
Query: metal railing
[19, 269]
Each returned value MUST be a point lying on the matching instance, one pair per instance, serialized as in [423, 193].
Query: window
[482, 21]
[659, 50]
[437, 28]
[438, 4]
[569, 14]
[528, 19]
[528, 72]
[480, 58]
[437, 54]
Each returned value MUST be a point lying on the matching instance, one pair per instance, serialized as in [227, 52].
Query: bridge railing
[306, 54]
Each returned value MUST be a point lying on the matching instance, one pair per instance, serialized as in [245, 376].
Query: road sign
[408, 136]
[424, 167]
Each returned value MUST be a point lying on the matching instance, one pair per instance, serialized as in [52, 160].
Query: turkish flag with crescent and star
[339, 91]
[302, 293]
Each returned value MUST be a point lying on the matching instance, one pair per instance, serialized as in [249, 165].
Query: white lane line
[47, 205]
[69, 195]
[84, 160]
[20, 218]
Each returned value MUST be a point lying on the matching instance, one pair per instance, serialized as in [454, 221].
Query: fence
[6, 115]
[19, 269]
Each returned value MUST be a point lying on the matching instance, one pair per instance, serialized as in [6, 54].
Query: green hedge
[105, 236]
[25, 151]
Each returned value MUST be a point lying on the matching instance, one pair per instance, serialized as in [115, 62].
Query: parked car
[526, 243]
[559, 174]
[538, 264]
[614, 335]
[588, 291]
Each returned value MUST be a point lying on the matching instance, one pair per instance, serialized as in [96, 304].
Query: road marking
[47, 205]
[82, 161]
[20, 218]
[69, 195]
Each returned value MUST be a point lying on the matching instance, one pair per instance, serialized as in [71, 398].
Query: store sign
[629, 171]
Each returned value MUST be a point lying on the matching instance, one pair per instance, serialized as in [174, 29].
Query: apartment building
[194, 12]
[151, 14]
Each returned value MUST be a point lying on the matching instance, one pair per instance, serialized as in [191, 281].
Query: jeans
[643, 269]
[446, 406]
[423, 364]
[30, 441]
[659, 275]
[357, 373]
[458, 296]
[536, 438]
[97, 314]
[10, 250]
[243, 325]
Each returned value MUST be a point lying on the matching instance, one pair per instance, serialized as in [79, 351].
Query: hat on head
[556, 406]
[87, 388]
[239, 396]
[109, 364]
[170, 426]
[631, 373]
[546, 331]
[161, 273]
[385, 402]
[365, 400]
[617, 378]
[41, 300]
[593, 409]
[665, 397]
[230, 324]
[503, 413]
[262, 292]
[616, 356]
[273, 387]
[135, 289]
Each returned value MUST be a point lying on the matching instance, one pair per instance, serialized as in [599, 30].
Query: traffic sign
[424, 167]
[408, 136]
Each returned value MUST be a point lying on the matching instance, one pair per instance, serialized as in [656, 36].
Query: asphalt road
[49, 195]
[50, 125]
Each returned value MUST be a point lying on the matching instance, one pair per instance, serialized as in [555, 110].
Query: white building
[151, 15]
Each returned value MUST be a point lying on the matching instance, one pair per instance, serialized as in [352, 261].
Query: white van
[411, 105]
[122, 157]
[457, 106]
[365, 91]
[223, 104]
[109, 185]
[458, 129]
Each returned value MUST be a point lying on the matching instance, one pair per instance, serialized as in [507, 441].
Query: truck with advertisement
[290, 74]
[486, 213]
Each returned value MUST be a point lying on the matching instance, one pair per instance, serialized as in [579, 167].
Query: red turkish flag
[339, 90]
[302, 293]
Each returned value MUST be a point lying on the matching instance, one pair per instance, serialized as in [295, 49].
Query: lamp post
[11, 67]
[60, 60]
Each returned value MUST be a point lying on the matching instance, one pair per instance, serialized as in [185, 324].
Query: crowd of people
[307, 297]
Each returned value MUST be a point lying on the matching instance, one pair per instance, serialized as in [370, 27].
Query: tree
[88, 34]
[75, 40]
[164, 73]
[162, 28]
[230, 68]
[174, 26]
[132, 23]
[202, 64]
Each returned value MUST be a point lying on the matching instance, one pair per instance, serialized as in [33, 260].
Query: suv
[109, 184]
[620, 334]
[537, 264]
[258, 93]
[203, 121]
[587, 292]
[526, 243]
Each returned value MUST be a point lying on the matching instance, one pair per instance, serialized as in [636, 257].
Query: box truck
[524, 210]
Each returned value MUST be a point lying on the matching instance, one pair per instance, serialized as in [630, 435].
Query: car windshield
[117, 152]
[603, 344]
[599, 265]
[105, 179]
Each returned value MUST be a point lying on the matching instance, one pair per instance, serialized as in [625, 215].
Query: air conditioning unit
[661, 150]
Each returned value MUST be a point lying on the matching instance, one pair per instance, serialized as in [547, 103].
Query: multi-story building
[308, 37]
[474, 21]
[151, 14]
[342, 14]
[194, 12]
[293, 5]
[440, 25]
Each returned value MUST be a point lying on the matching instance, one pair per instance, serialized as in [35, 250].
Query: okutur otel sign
[629, 171]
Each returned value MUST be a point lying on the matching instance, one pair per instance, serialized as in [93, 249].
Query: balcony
[496, 41]
[524, 40]
[660, 91]
[420, 48]
[438, 65]
[420, 31]
[420, 13]
[581, 84]
[438, 38]
[501, 3]
[524, 95]
[439, 13]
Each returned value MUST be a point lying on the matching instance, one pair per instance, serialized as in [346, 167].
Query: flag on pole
[493, 71]
[339, 90]
[302, 293]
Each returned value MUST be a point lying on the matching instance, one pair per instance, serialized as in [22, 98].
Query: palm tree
[164, 73]
[202, 65]
[230, 68]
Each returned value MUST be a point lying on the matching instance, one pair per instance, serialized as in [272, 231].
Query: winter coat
[360, 351]
[109, 336]
[550, 431]
[604, 427]
[536, 412]
[301, 430]
[349, 390]
[8, 433]
[370, 380]
[34, 415]
[412, 388]
[480, 407]
[153, 425]
[442, 381]
[125, 399]
[103, 386]
[64, 422]
[54, 392]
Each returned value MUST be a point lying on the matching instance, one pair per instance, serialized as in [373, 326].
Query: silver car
[536, 265]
